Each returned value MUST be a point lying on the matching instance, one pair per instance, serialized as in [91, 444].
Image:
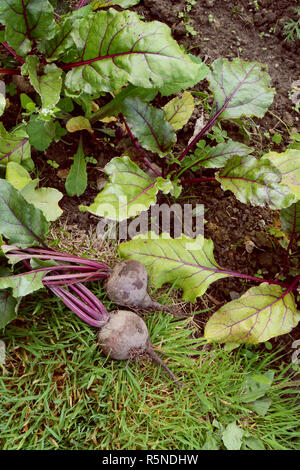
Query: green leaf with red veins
[58, 46]
[15, 147]
[255, 182]
[48, 85]
[290, 218]
[8, 307]
[149, 126]
[117, 47]
[288, 163]
[20, 222]
[263, 312]
[241, 87]
[179, 110]
[187, 263]
[23, 284]
[216, 157]
[128, 192]
[26, 20]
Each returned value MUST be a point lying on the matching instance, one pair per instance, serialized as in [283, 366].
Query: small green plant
[291, 29]
[185, 15]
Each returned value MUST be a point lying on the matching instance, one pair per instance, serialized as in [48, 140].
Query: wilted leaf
[288, 163]
[263, 312]
[25, 21]
[128, 192]
[76, 182]
[189, 262]
[149, 126]
[255, 182]
[20, 222]
[48, 85]
[117, 47]
[242, 87]
[78, 123]
[179, 110]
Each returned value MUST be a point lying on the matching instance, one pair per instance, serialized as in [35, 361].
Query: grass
[58, 392]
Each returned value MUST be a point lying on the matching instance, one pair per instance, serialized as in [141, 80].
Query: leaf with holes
[15, 147]
[240, 88]
[288, 163]
[48, 85]
[290, 218]
[26, 20]
[117, 47]
[255, 182]
[149, 126]
[263, 312]
[179, 110]
[128, 192]
[187, 262]
[20, 222]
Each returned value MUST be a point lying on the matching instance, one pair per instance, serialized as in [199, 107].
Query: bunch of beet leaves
[111, 63]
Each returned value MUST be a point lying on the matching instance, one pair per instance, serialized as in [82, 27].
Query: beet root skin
[127, 286]
[124, 336]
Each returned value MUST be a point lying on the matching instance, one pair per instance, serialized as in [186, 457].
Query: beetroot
[127, 286]
[125, 336]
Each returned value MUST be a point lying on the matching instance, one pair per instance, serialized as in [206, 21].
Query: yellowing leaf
[79, 123]
[179, 110]
[263, 312]
[288, 163]
[17, 175]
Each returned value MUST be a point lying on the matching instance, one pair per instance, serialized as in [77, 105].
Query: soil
[241, 234]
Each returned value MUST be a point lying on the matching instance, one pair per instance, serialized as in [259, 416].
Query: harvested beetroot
[127, 286]
[125, 336]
